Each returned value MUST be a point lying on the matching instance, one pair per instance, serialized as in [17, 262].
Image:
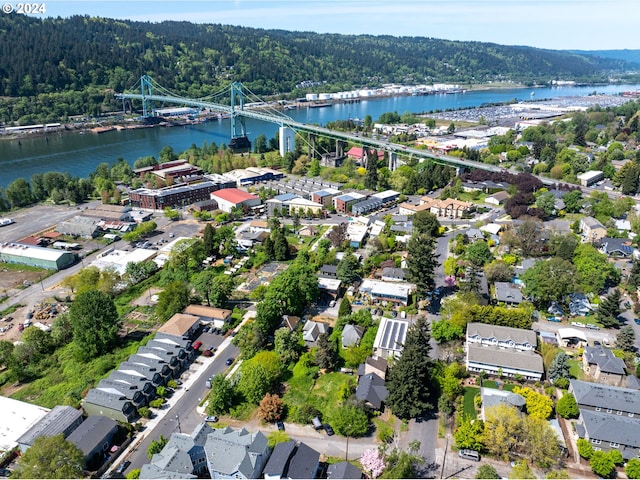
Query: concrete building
[343, 203]
[34, 256]
[303, 207]
[325, 196]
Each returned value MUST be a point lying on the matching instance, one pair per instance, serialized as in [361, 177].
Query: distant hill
[631, 56]
[74, 65]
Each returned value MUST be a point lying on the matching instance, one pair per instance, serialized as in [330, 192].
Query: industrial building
[36, 256]
[176, 196]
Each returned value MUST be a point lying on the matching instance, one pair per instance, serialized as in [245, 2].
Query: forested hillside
[42, 60]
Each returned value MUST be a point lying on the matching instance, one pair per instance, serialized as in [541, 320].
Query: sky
[552, 24]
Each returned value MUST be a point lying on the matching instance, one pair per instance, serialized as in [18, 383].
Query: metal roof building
[36, 256]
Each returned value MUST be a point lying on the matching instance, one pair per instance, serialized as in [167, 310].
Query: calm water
[79, 154]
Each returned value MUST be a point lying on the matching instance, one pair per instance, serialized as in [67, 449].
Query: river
[79, 153]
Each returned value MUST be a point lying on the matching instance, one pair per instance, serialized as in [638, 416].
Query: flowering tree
[372, 463]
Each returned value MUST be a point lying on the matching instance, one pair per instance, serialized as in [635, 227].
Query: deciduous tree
[95, 323]
[271, 408]
[567, 406]
[50, 457]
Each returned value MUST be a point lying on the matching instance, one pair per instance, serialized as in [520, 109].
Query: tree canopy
[94, 318]
[50, 457]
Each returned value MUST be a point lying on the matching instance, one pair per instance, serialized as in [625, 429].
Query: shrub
[144, 412]
[585, 449]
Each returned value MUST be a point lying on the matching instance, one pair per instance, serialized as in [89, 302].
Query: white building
[17, 418]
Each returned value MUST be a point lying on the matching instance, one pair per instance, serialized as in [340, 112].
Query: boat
[319, 105]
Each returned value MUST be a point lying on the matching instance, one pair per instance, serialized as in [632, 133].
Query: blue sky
[554, 24]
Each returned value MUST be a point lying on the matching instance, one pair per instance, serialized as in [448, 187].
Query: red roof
[233, 195]
[356, 152]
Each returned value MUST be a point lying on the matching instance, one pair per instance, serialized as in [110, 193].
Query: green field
[469, 407]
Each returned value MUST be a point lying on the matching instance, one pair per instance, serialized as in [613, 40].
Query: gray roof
[152, 471]
[343, 470]
[611, 428]
[106, 399]
[605, 359]
[230, 451]
[351, 335]
[304, 462]
[172, 459]
[518, 335]
[277, 464]
[371, 388]
[92, 432]
[391, 272]
[604, 396]
[55, 422]
[522, 360]
[505, 292]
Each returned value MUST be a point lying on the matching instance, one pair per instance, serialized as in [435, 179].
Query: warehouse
[36, 256]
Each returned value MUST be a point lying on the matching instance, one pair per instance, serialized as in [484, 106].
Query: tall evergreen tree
[559, 367]
[411, 381]
[609, 310]
[421, 262]
[626, 338]
[211, 247]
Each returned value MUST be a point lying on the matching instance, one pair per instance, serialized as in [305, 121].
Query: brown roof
[208, 312]
[179, 324]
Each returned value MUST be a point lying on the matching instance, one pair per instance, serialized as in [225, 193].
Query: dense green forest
[54, 68]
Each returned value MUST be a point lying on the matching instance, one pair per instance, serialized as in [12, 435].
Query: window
[618, 412]
[630, 414]
[598, 409]
[609, 410]
[614, 444]
[596, 441]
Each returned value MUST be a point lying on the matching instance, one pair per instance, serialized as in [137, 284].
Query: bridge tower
[393, 161]
[239, 140]
[148, 109]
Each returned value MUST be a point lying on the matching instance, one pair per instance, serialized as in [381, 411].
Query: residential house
[616, 247]
[210, 315]
[290, 321]
[474, 234]
[94, 438]
[351, 335]
[356, 233]
[371, 390]
[291, 461]
[503, 351]
[592, 230]
[508, 293]
[497, 198]
[312, 330]
[390, 274]
[579, 305]
[181, 325]
[329, 271]
[329, 287]
[60, 420]
[377, 365]
[602, 365]
[571, 337]
[236, 454]
[343, 471]
[390, 337]
[398, 293]
[450, 208]
[277, 206]
[325, 196]
[609, 417]
[492, 397]
[304, 207]
[406, 208]
[109, 404]
[136, 380]
[129, 391]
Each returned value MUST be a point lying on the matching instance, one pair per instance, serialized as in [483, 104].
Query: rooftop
[233, 195]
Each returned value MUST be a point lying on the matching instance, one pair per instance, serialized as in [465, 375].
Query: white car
[578, 324]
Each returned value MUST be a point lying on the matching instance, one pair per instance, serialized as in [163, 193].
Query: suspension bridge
[237, 109]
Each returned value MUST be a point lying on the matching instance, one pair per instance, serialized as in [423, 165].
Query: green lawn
[575, 368]
[505, 386]
[469, 407]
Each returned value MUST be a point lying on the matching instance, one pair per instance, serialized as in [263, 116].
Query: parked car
[229, 361]
[123, 466]
[592, 326]
[637, 320]
[317, 424]
[328, 429]
[332, 303]
[280, 425]
[469, 454]
[211, 418]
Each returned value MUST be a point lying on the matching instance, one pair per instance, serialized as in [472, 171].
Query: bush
[585, 449]
[157, 403]
[562, 383]
[144, 412]
[304, 414]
